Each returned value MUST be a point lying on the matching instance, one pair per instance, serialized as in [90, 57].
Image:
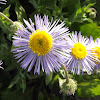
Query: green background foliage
[18, 84]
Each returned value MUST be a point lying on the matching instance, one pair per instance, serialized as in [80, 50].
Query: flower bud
[70, 87]
[92, 14]
[15, 26]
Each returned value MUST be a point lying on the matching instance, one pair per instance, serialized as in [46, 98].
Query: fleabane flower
[78, 53]
[96, 52]
[3, 1]
[40, 46]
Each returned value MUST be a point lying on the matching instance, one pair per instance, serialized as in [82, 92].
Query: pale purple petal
[54, 58]
[77, 65]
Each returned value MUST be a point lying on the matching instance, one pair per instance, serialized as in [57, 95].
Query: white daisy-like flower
[78, 53]
[40, 45]
[96, 52]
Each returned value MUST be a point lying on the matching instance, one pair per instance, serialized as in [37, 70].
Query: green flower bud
[92, 14]
[69, 88]
[14, 27]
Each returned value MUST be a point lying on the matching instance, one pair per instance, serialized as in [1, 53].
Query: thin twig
[66, 73]
[7, 18]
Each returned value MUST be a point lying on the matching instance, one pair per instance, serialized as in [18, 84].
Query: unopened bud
[14, 27]
[70, 87]
[92, 14]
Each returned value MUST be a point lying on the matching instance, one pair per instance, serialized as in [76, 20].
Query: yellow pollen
[79, 51]
[40, 42]
[96, 53]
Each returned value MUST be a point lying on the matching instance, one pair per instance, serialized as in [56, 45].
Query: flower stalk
[66, 73]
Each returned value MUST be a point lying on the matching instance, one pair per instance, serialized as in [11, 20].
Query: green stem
[66, 73]
[7, 18]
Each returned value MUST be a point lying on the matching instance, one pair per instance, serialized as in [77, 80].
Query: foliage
[18, 84]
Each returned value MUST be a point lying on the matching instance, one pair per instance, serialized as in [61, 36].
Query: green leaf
[55, 79]
[6, 13]
[3, 50]
[34, 3]
[62, 72]
[61, 81]
[48, 78]
[20, 12]
[14, 81]
[80, 13]
[89, 88]
[90, 29]
[23, 85]
[85, 8]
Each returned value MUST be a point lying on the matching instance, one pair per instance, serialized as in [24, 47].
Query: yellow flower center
[79, 51]
[96, 52]
[40, 42]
